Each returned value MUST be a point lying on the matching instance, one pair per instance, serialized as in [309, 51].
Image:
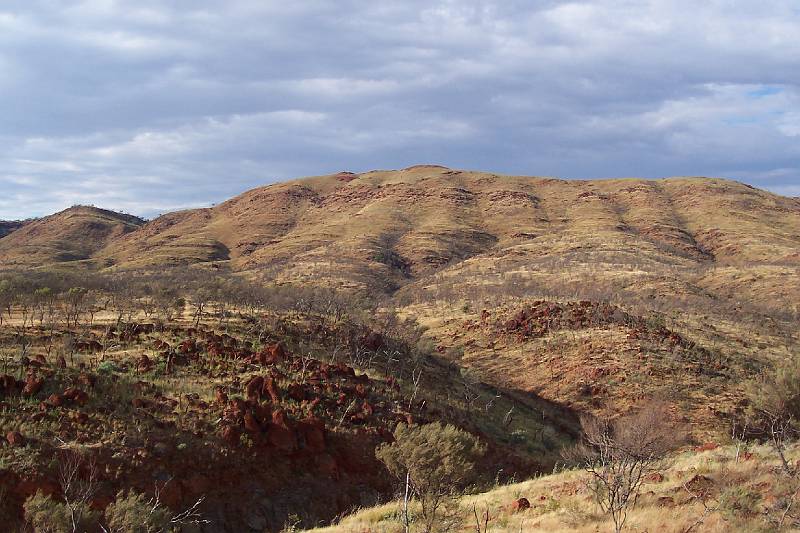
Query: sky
[147, 107]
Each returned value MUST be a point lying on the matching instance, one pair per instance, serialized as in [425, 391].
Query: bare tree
[619, 454]
[78, 479]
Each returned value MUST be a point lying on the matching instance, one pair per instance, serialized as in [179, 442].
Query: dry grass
[561, 502]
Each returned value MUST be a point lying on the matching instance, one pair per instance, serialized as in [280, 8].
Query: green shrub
[135, 513]
[738, 502]
[437, 461]
[107, 367]
[47, 515]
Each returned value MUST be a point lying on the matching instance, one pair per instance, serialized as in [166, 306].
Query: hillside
[711, 491]
[506, 305]
[70, 235]
[387, 228]
[701, 274]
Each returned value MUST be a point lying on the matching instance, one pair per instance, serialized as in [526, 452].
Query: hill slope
[70, 235]
[701, 273]
[694, 493]
[384, 229]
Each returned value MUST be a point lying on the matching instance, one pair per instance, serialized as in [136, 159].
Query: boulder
[280, 435]
[520, 505]
[33, 385]
[15, 439]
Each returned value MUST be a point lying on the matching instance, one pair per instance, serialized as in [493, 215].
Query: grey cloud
[150, 106]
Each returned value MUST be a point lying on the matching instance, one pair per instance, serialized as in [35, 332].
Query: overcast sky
[150, 106]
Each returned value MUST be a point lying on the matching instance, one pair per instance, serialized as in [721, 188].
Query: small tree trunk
[406, 521]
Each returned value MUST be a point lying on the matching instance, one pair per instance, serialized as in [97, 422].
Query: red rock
[700, 485]
[9, 385]
[55, 400]
[251, 425]
[15, 439]
[280, 435]
[197, 485]
[172, 494]
[231, 434]
[655, 477]
[345, 176]
[296, 391]
[235, 410]
[372, 341]
[327, 465]
[368, 409]
[520, 505]
[71, 393]
[139, 403]
[665, 501]
[221, 397]
[144, 364]
[272, 390]
[255, 387]
[312, 433]
[276, 353]
[32, 385]
[29, 487]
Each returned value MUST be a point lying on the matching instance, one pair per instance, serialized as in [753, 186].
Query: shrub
[738, 502]
[47, 515]
[775, 407]
[435, 462]
[135, 513]
[107, 367]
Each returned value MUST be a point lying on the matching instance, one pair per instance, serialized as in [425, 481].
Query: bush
[436, 463]
[738, 502]
[107, 367]
[774, 410]
[47, 515]
[135, 513]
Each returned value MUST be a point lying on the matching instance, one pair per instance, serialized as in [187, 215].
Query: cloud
[150, 106]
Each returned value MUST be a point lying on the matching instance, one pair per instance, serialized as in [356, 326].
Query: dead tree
[619, 454]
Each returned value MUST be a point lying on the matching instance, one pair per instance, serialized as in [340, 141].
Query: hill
[387, 228]
[71, 235]
[590, 294]
[701, 273]
[506, 305]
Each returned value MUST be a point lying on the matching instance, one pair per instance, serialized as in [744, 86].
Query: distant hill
[70, 235]
[8, 226]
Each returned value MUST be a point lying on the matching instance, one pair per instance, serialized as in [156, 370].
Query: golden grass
[561, 502]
